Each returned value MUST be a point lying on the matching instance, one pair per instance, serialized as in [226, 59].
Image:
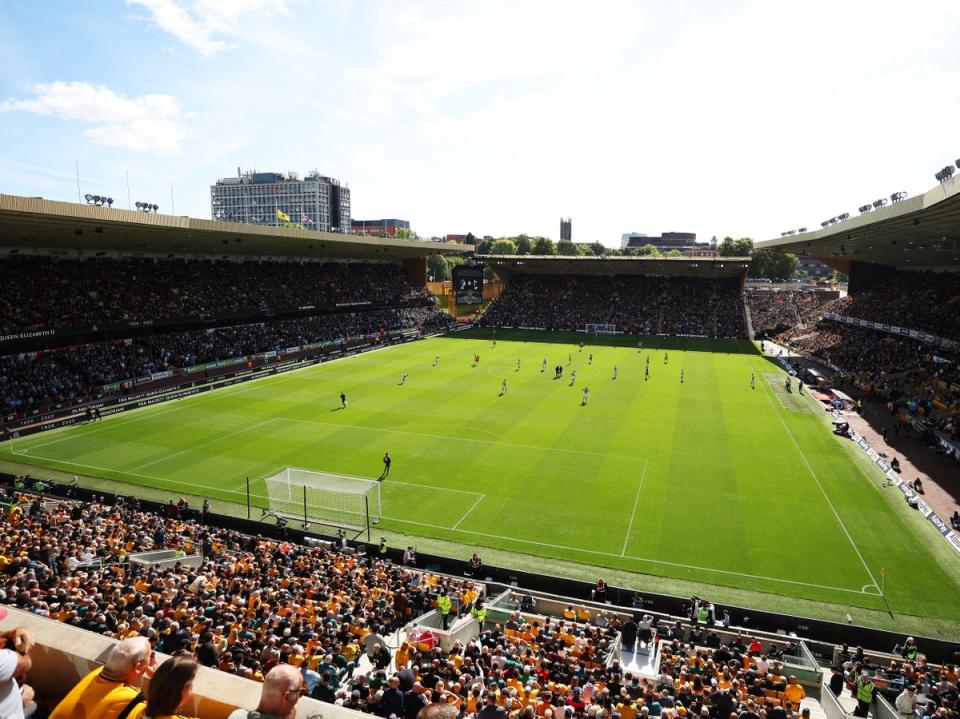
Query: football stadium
[285, 463]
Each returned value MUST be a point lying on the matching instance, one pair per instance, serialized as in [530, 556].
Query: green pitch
[707, 480]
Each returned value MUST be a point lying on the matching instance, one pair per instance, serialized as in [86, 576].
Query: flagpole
[883, 578]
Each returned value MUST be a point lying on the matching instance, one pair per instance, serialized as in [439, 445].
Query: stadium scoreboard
[468, 284]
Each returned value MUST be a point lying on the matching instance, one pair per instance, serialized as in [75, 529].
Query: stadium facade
[316, 202]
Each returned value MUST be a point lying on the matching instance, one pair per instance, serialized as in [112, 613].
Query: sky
[496, 117]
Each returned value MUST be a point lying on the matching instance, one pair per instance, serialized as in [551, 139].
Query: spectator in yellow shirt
[794, 691]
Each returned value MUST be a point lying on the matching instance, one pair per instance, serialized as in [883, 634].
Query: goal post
[324, 498]
[601, 328]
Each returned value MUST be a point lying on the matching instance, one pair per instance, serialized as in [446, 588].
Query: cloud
[149, 123]
[202, 25]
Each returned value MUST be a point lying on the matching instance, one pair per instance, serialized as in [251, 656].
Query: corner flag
[283, 216]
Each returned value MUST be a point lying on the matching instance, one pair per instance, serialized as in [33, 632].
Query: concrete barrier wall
[63, 655]
[828, 702]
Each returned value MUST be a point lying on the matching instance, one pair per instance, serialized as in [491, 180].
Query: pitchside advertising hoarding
[468, 284]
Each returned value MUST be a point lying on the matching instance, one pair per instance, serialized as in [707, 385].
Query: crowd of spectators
[633, 304]
[928, 301]
[252, 604]
[913, 686]
[40, 293]
[73, 374]
[911, 377]
[777, 310]
[703, 307]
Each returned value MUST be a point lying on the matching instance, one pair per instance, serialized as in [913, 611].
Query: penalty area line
[472, 507]
[633, 512]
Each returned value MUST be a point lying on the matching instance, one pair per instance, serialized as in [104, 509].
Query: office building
[316, 202]
[379, 228]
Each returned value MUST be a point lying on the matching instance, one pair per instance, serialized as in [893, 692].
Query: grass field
[706, 481]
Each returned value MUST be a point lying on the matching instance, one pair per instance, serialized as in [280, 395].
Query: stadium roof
[652, 266]
[33, 222]
[920, 231]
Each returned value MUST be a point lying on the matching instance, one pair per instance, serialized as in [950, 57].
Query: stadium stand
[83, 372]
[254, 603]
[925, 301]
[178, 314]
[634, 304]
[47, 293]
[777, 310]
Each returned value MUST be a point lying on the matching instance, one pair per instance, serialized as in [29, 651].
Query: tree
[598, 249]
[838, 276]
[483, 247]
[567, 248]
[773, 265]
[438, 268]
[646, 250]
[471, 239]
[503, 246]
[543, 246]
[405, 233]
[524, 245]
[673, 253]
[730, 247]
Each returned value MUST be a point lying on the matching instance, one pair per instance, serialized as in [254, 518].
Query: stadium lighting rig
[946, 173]
[99, 200]
[146, 207]
[898, 196]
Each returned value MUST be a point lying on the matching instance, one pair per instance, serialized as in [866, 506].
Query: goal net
[601, 329]
[323, 498]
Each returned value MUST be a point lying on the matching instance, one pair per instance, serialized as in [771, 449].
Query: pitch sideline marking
[633, 515]
[617, 556]
[235, 389]
[493, 536]
[472, 507]
[816, 479]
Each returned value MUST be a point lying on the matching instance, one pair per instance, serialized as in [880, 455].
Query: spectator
[109, 690]
[278, 697]
[171, 688]
[15, 663]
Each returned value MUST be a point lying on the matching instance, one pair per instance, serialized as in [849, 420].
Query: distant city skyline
[740, 118]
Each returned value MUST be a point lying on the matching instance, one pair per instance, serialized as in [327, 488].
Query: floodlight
[88, 198]
[948, 171]
[802, 229]
[844, 216]
[898, 196]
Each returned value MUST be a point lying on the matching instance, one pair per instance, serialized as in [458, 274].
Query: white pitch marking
[617, 556]
[633, 514]
[767, 391]
[472, 507]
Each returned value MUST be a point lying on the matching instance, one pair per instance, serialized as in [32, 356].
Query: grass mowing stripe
[723, 502]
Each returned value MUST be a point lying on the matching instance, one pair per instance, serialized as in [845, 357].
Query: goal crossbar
[326, 498]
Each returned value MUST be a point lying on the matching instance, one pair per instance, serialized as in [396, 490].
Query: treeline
[777, 266]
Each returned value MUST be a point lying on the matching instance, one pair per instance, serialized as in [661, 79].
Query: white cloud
[149, 123]
[204, 24]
